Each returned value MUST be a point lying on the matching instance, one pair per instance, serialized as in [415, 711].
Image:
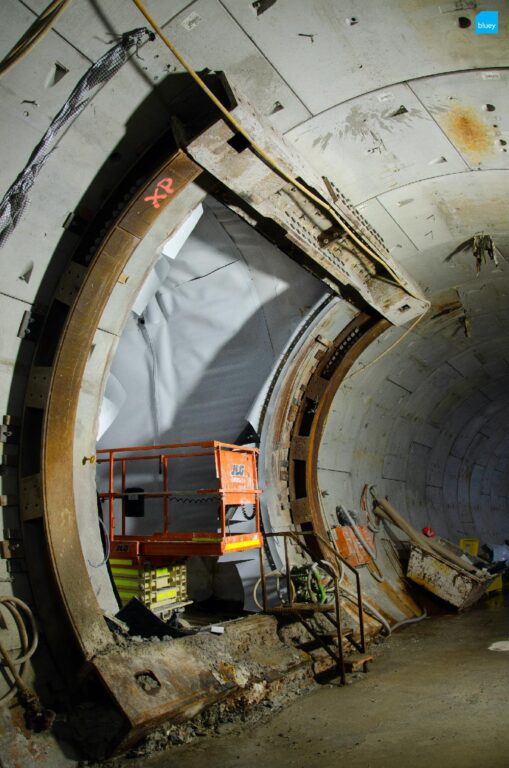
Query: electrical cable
[16, 198]
[277, 575]
[264, 156]
[34, 34]
[413, 620]
[108, 547]
[314, 575]
[16, 666]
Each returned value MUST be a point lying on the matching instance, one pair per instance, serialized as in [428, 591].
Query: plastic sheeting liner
[194, 362]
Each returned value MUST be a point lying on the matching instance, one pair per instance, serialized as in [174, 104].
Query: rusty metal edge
[59, 516]
[369, 335]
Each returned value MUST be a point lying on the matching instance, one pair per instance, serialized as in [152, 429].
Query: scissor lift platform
[237, 486]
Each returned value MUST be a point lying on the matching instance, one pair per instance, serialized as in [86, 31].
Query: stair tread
[356, 661]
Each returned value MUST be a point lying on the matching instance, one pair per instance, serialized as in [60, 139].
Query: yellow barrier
[470, 545]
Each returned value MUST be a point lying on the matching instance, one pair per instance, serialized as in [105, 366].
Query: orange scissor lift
[237, 485]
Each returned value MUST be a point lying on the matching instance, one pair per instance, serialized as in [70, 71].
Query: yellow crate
[147, 597]
[470, 545]
[496, 585]
[147, 582]
[153, 586]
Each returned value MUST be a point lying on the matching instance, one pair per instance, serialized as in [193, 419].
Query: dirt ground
[435, 696]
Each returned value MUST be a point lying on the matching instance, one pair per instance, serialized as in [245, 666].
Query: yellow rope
[34, 34]
[264, 155]
[389, 349]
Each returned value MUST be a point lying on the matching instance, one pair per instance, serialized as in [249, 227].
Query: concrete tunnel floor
[435, 696]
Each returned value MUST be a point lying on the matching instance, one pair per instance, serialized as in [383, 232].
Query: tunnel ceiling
[402, 108]
[400, 104]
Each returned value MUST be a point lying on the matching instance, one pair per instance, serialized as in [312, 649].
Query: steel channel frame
[54, 473]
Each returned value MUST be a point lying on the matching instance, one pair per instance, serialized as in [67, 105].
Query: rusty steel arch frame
[66, 602]
[323, 385]
[64, 593]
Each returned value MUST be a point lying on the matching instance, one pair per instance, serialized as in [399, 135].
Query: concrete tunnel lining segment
[445, 453]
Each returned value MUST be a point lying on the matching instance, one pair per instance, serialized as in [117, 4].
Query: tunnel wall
[428, 423]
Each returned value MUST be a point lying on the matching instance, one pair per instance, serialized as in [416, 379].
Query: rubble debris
[142, 622]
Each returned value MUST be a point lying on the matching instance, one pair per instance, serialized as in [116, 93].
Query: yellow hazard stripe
[165, 594]
[242, 545]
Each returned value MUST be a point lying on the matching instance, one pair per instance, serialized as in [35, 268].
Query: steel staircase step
[357, 661]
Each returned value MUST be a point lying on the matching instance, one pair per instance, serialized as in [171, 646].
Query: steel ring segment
[64, 368]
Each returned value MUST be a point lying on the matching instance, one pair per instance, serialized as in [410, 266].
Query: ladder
[304, 611]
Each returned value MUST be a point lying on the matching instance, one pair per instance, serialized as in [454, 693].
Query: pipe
[413, 620]
[428, 545]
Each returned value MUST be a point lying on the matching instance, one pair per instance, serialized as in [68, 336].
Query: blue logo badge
[486, 23]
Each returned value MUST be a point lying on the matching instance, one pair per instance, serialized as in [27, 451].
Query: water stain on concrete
[322, 141]
[469, 132]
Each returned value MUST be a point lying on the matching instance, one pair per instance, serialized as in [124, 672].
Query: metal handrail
[355, 572]
[285, 535]
[295, 536]
[227, 494]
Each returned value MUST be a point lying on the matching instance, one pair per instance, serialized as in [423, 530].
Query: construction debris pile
[439, 566]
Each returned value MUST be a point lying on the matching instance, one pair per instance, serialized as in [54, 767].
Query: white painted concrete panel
[449, 207]
[347, 59]
[473, 112]
[396, 241]
[217, 42]
[94, 27]
[367, 150]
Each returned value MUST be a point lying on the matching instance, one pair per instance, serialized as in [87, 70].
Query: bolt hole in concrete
[148, 682]
[464, 22]
[57, 73]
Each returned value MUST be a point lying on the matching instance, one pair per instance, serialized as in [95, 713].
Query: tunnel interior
[226, 307]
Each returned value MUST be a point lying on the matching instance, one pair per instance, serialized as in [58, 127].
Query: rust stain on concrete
[468, 131]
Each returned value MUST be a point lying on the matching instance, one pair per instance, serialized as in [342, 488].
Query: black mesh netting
[16, 198]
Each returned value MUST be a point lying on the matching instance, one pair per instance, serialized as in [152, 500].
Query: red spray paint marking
[166, 185]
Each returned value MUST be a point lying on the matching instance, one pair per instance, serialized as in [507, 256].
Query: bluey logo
[486, 23]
